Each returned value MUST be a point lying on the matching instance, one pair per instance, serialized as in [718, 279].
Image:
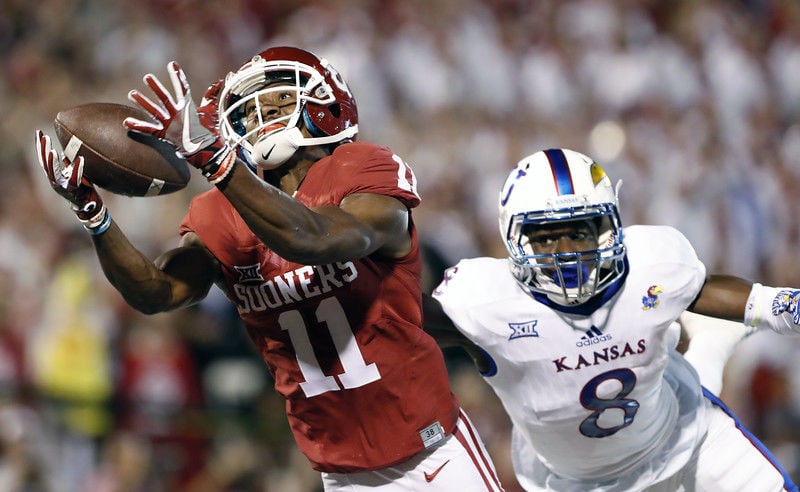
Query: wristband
[220, 168]
[753, 310]
[773, 308]
[101, 227]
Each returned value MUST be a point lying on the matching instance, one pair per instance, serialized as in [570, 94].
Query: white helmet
[562, 186]
[323, 102]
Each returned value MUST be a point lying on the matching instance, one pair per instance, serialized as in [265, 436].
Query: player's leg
[460, 463]
[731, 458]
[711, 343]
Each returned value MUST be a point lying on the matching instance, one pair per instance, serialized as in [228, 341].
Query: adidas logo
[593, 336]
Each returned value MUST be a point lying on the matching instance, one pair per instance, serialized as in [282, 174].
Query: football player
[310, 234]
[576, 332]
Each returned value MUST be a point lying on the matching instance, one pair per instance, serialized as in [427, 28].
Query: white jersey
[606, 398]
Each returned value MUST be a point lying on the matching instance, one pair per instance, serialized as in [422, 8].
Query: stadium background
[693, 104]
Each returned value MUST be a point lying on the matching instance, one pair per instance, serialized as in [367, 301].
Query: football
[116, 159]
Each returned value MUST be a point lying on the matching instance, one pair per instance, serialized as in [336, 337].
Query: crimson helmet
[322, 100]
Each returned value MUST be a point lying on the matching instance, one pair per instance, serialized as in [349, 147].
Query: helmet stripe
[561, 173]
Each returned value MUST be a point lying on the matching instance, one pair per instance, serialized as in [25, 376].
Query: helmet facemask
[567, 277]
[268, 143]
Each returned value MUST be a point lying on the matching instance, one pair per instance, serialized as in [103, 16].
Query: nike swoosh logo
[188, 145]
[264, 156]
[430, 476]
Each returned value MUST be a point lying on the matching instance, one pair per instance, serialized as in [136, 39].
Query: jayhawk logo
[651, 300]
[786, 301]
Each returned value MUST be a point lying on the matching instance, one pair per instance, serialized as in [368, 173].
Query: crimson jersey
[366, 387]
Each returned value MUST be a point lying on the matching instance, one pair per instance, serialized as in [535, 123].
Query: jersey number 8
[589, 399]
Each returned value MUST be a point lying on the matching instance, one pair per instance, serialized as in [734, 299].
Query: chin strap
[276, 147]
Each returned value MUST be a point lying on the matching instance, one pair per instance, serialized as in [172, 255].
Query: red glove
[66, 178]
[208, 111]
[192, 132]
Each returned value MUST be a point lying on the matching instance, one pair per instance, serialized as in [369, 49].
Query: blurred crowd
[693, 104]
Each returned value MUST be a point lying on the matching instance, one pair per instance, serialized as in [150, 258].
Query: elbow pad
[774, 308]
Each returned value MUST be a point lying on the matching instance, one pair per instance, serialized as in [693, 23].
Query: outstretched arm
[723, 296]
[437, 324]
[758, 306]
[364, 223]
[177, 278]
